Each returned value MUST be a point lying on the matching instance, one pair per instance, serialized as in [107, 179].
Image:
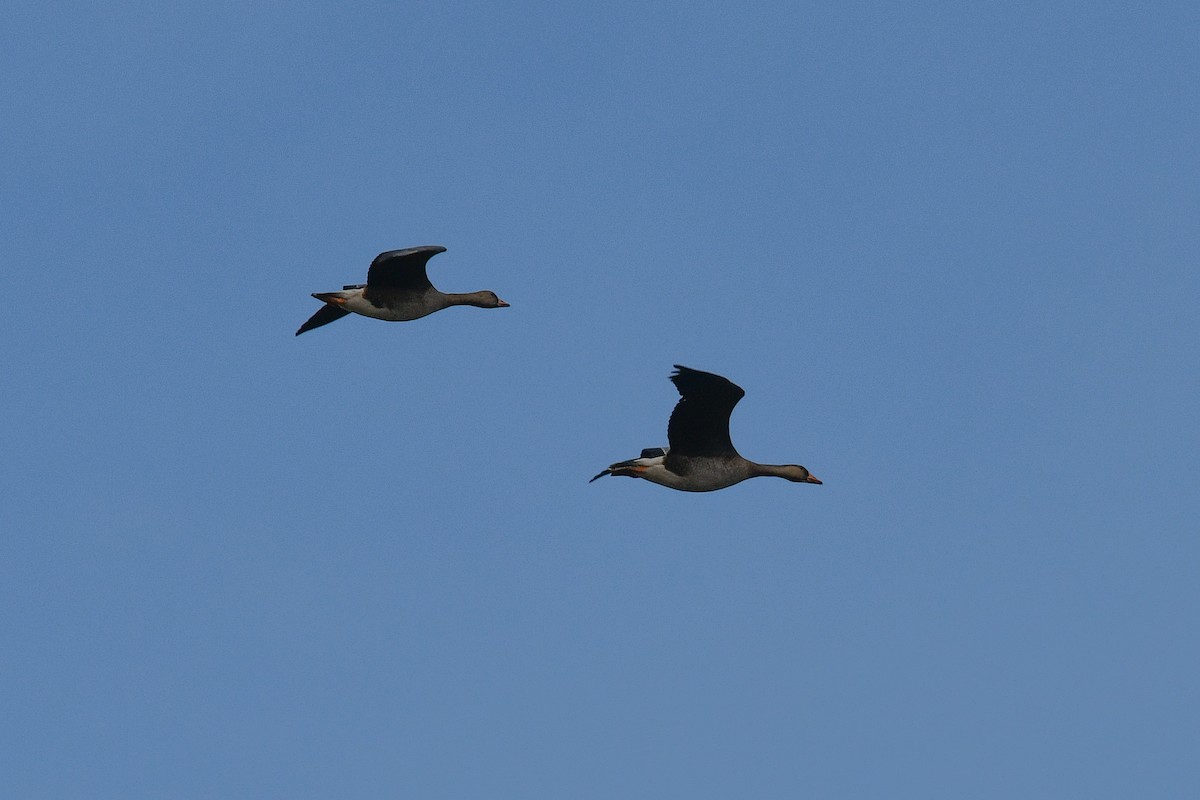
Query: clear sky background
[948, 249]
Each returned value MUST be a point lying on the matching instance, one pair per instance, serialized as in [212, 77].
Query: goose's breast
[394, 306]
[697, 474]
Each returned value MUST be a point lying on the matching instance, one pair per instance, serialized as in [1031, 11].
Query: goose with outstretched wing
[701, 457]
[397, 290]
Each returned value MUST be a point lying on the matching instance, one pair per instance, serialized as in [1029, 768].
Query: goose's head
[797, 474]
[490, 300]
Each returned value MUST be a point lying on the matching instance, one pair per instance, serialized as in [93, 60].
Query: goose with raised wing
[397, 290]
[701, 457]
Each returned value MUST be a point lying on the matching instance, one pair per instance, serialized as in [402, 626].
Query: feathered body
[701, 457]
[397, 290]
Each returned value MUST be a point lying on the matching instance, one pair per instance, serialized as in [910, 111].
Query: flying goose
[701, 457]
[397, 289]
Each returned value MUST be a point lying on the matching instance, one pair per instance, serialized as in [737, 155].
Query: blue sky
[949, 250]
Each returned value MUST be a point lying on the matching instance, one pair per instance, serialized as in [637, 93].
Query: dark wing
[699, 424]
[324, 316]
[402, 269]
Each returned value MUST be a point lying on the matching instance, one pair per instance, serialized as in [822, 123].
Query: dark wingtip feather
[325, 315]
[694, 381]
[428, 250]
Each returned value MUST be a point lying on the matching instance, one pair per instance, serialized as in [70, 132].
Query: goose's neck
[770, 470]
[790, 472]
[480, 299]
